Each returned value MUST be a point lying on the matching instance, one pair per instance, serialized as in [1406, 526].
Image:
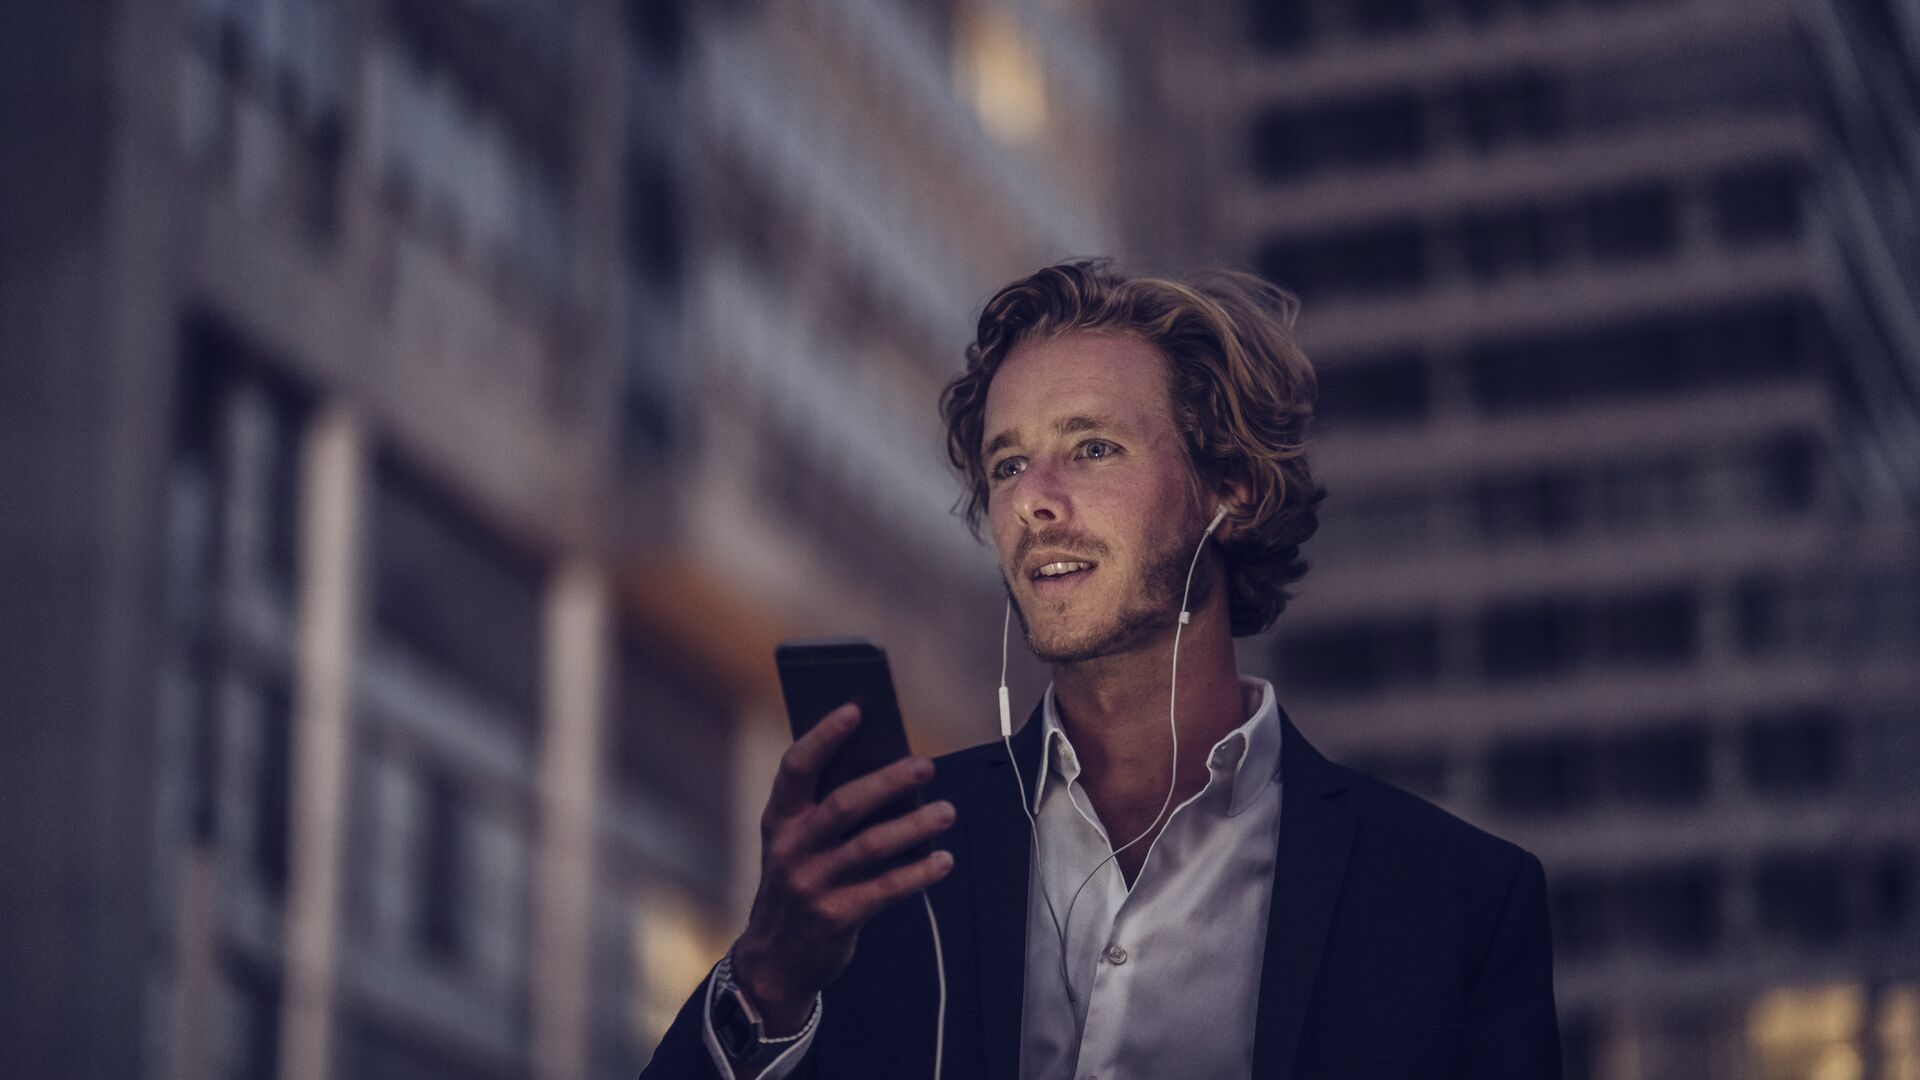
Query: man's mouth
[1062, 569]
[1058, 577]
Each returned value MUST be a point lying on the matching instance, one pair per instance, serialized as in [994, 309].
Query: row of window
[1773, 478]
[1667, 764]
[1865, 612]
[1513, 641]
[1652, 355]
[1292, 25]
[1800, 898]
[1561, 634]
[1756, 202]
[1402, 125]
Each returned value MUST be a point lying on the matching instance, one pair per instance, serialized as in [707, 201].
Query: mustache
[1073, 543]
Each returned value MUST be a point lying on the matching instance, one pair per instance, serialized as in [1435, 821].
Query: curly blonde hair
[1241, 389]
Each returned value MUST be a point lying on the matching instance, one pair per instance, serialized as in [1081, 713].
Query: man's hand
[817, 891]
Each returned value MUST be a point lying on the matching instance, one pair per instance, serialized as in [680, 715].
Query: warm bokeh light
[1807, 1033]
[1001, 73]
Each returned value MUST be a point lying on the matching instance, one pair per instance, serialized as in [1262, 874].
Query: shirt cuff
[777, 1069]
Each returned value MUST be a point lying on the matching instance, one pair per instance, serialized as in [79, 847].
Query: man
[1204, 895]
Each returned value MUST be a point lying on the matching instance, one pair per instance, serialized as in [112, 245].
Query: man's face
[1085, 467]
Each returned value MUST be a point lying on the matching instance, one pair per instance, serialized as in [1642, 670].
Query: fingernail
[923, 770]
[943, 859]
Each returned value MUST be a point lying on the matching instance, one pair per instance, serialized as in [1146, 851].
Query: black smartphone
[818, 676]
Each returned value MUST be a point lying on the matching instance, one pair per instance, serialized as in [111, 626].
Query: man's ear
[1237, 496]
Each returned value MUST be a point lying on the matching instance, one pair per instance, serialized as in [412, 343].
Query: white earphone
[1006, 736]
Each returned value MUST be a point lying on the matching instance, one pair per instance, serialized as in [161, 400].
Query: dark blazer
[1402, 943]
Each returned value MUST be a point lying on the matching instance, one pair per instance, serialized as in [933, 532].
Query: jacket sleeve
[688, 1050]
[1511, 1030]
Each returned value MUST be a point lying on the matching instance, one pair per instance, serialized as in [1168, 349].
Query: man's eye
[1104, 447]
[1002, 469]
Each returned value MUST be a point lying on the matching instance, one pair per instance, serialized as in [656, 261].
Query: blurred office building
[867, 174]
[1613, 305]
[423, 417]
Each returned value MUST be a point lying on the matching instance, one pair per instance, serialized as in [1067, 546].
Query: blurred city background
[421, 419]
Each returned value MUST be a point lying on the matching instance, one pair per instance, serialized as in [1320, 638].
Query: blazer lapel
[1316, 835]
[999, 847]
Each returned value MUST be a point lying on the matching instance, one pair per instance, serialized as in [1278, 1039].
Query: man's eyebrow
[1067, 426]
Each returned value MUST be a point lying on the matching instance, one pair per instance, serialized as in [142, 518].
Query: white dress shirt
[1166, 973]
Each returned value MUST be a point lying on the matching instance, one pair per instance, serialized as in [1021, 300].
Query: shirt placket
[1101, 1046]
[1105, 992]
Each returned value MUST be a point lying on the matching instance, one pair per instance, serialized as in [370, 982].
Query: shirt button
[1116, 955]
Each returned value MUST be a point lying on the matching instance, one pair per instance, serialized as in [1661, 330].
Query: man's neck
[1115, 711]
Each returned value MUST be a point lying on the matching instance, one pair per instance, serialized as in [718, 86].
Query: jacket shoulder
[1408, 821]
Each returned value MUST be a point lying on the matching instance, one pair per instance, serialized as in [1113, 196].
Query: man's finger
[793, 784]
[853, 802]
[864, 899]
[885, 840]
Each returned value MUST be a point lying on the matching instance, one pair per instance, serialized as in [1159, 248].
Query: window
[1505, 241]
[1757, 203]
[1788, 466]
[1759, 618]
[1580, 911]
[1666, 765]
[1554, 774]
[439, 929]
[1396, 388]
[1674, 908]
[451, 590]
[1288, 143]
[272, 786]
[670, 746]
[250, 1034]
[1372, 260]
[1279, 25]
[1635, 223]
[1359, 658]
[1659, 627]
[1792, 753]
[1657, 354]
[1379, 521]
[1383, 17]
[1543, 504]
[1516, 106]
[1802, 897]
[1891, 885]
[1532, 638]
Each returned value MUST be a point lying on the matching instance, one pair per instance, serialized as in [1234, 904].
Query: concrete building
[422, 419]
[1596, 571]
[330, 411]
[865, 175]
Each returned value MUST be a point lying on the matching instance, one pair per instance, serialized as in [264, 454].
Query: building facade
[1597, 571]
[422, 420]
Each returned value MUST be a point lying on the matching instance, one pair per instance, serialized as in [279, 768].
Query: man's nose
[1040, 497]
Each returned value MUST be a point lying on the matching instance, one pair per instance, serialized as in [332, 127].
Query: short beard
[1165, 576]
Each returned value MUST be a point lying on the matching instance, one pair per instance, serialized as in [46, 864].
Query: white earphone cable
[1172, 779]
[940, 968]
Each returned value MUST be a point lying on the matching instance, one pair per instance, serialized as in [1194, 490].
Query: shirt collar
[1249, 754]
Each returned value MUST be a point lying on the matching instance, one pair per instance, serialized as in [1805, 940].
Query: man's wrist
[783, 1012]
